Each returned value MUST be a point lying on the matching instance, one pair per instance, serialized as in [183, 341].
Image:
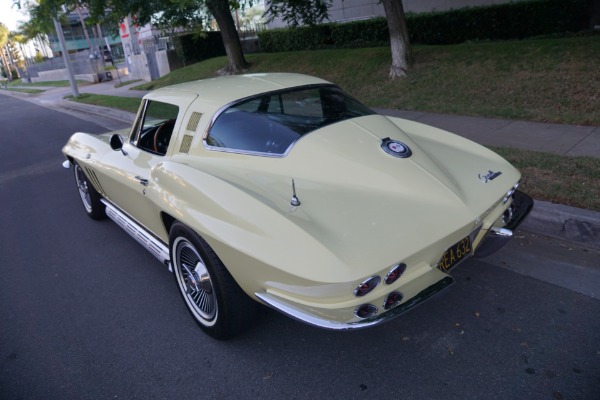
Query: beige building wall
[349, 10]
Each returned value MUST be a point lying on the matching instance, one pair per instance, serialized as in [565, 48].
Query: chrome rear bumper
[295, 312]
[497, 237]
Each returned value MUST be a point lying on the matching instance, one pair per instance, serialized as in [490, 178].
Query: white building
[350, 10]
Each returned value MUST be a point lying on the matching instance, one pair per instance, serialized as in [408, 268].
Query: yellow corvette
[282, 189]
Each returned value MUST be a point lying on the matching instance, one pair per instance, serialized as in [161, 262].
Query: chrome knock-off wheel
[213, 297]
[89, 196]
[195, 282]
[82, 185]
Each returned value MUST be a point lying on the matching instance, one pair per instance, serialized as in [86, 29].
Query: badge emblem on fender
[489, 176]
[395, 148]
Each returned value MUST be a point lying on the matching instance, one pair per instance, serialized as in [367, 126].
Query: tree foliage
[298, 12]
[166, 13]
[191, 16]
[178, 11]
[6, 49]
[4, 32]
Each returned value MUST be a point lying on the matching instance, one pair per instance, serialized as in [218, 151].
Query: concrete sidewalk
[571, 140]
[563, 222]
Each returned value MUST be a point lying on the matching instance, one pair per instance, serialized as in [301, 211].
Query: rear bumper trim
[498, 237]
[295, 312]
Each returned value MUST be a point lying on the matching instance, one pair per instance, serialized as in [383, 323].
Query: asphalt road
[86, 313]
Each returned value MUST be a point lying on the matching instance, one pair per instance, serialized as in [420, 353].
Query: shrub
[515, 20]
[191, 49]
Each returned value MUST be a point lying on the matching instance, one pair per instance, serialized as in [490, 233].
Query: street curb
[567, 223]
[106, 112]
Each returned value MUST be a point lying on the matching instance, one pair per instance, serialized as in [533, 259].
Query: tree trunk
[84, 29]
[10, 50]
[231, 40]
[65, 54]
[399, 40]
[25, 56]
[5, 65]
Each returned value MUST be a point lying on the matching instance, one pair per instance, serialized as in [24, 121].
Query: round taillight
[392, 300]
[366, 286]
[365, 311]
[395, 273]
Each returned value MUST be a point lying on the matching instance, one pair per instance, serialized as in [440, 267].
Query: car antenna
[295, 200]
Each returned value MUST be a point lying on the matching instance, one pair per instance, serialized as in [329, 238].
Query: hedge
[191, 49]
[515, 20]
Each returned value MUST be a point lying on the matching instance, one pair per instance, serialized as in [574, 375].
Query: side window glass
[155, 128]
[306, 103]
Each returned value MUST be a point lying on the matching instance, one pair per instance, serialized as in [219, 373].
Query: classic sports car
[283, 190]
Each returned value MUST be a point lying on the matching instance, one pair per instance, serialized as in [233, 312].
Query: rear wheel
[212, 296]
[89, 195]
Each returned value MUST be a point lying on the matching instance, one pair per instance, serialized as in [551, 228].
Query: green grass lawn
[122, 103]
[24, 90]
[574, 181]
[547, 80]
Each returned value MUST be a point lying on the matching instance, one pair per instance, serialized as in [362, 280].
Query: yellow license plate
[455, 254]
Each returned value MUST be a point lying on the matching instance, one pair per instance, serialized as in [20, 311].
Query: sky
[10, 16]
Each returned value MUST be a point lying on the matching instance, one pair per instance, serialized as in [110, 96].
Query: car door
[126, 173]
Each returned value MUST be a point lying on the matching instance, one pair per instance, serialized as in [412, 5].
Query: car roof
[224, 90]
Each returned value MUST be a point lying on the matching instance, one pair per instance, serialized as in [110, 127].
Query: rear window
[272, 122]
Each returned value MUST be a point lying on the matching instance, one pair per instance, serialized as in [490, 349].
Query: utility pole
[63, 48]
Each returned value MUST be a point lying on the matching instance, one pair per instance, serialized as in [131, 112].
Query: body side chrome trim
[295, 312]
[156, 247]
[246, 152]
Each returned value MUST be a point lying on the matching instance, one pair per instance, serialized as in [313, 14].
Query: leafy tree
[112, 11]
[37, 27]
[311, 12]
[298, 12]
[15, 53]
[221, 10]
[52, 10]
[12, 61]
[191, 16]
[19, 40]
[4, 32]
[144, 10]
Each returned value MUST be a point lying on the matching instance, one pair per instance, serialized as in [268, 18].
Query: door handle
[143, 182]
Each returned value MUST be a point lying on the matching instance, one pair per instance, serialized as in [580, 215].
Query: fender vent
[193, 122]
[94, 179]
[186, 143]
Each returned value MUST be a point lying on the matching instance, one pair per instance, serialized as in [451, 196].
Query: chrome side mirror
[116, 143]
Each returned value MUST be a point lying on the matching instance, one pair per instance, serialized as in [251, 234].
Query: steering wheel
[162, 135]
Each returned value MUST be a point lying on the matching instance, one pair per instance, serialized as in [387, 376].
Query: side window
[155, 128]
[306, 103]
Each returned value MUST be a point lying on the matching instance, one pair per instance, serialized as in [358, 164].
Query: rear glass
[272, 122]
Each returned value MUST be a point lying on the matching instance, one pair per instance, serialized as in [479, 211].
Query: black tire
[213, 297]
[90, 198]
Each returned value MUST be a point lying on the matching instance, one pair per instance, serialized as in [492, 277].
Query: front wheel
[212, 296]
[89, 195]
